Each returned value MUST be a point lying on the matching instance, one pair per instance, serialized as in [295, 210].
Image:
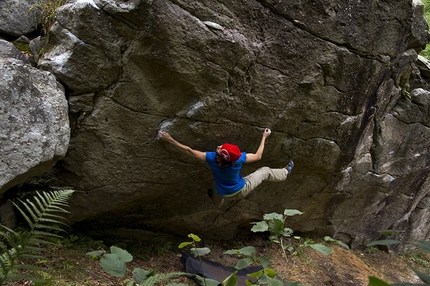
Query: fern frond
[16, 277]
[8, 236]
[7, 260]
[47, 205]
[157, 278]
[27, 219]
[43, 219]
[52, 216]
[38, 232]
[49, 220]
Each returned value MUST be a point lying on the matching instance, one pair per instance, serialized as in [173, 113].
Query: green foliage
[44, 12]
[423, 246]
[43, 216]
[373, 281]
[248, 257]
[274, 223]
[197, 252]
[265, 276]
[406, 94]
[426, 52]
[114, 263]
[384, 242]
[340, 243]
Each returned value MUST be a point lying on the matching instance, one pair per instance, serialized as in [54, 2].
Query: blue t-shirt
[228, 179]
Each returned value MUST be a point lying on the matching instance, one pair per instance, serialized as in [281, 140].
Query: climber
[226, 164]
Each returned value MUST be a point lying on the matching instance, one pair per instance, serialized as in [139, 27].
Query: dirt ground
[70, 266]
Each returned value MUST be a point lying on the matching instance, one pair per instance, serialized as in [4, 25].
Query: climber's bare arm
[253, 157]
[181, 147]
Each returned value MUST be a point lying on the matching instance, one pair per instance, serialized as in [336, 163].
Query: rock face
[334, 80]
[18, 17]
[34, 125]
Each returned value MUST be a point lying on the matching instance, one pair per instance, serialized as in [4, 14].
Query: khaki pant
[252, 181]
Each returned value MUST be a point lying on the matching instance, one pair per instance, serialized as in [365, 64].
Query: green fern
[158, 278]
[43, 216]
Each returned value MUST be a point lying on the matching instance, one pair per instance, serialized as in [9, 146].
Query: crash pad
[213, 270]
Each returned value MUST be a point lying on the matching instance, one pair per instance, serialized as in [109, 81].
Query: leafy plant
[406, 94]
[340, 243]
[423, 246]
[44, 12]
[114, 263]
[275, 224]
[198, 252]
[265, 276]
[426, 52]
[43, 216]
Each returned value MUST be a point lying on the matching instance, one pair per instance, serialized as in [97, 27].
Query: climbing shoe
[290, 166]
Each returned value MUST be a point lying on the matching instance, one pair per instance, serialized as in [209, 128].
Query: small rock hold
[213, 25]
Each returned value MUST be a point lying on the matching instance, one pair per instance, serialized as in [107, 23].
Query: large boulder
[19, 17]
[34, 124]
[330, 78]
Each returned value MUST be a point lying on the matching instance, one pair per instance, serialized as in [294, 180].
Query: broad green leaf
[273, 216]
[264, 279]
[424, 246]
[274, 238]
[264, 262]
[329, 239]
[194, 237]
[344, 245]
[260, 227]
[243, 263]
[199, 251]
[373, 281]
[287, 232]
[232, 252]
[256, 274]
[424, 277]
[184, 244]
[97, 253]
[389, 232]
[288, 212]
[248, 251]
[140, 275]
[383, 242]
[270, 272]
[206, 281]
[231, 280]
[276, 282]
[123, 254]
[276, 227]
[324, 249]
[113, 265]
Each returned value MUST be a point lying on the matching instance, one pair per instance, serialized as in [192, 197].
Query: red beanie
[230, 152]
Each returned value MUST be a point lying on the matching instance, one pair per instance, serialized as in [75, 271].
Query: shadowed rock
[332, 79]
